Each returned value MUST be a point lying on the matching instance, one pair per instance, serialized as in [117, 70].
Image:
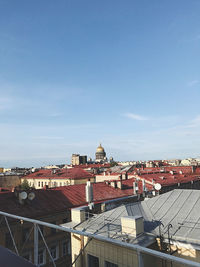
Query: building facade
[77, 159]
[143, 234]
[58, 177]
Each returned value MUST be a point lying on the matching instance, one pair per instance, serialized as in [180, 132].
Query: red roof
[92, 165]
[167, 179]
[49, 201]
[71, 173]
[164, 169]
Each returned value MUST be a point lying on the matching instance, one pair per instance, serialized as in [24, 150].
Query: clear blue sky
[76, 73]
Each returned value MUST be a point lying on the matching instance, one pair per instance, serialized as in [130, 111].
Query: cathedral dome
[100, 154]
[100, 149]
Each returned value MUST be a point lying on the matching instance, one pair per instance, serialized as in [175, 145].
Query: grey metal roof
[180, 208]
[9, 259]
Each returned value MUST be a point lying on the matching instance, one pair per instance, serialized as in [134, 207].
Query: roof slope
[71, 173]
[180, 208]
[48, 201]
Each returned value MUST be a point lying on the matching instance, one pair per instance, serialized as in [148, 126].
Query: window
[60, 183]
[110, 264]
[55, 184]
[25, 234]
[9, 242]
[54, 252]
[38, 184]
[93, 261]
[66, 248]
[69, 247]
[41, 257]
[42, 184]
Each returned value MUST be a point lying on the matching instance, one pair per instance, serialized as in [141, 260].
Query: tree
[25, 185]
[113, 163]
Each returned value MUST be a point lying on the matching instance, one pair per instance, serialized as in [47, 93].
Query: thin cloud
[56, 114]
[135, 117]
[5, 103]
[193, 83]
[195, 122]
[49, 137]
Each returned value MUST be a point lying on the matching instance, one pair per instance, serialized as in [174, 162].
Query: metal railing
[139, 249]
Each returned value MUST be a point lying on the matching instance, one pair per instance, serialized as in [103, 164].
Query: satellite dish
[157, 186]
[31, 196]
[23, 195]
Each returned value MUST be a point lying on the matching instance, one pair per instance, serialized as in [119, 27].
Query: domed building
[100, 154]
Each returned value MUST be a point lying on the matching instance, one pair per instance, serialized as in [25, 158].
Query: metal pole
[13, 240]
[47, 247]
[35, 244]
[105, 239]
[140, 259]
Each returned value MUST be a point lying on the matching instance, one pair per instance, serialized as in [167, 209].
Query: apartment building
[161, 231]
[58, 177]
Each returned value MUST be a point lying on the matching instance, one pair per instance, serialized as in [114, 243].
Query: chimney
[124, 176]
[135, 188]
[89, 192]
[119, 184]
[113, 184]
[132, 225]
[78, 215]
[144, 189]
[193, 169]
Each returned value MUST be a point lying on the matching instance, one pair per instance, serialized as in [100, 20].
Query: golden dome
[100, 149]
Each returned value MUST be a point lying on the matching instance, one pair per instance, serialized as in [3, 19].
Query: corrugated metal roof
[178, 207]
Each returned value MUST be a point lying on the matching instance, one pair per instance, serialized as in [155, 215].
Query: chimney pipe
[89, 192]
[119, 184]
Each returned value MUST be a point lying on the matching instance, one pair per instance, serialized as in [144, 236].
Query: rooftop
[180, 208]
[61, 198]
[71, 173]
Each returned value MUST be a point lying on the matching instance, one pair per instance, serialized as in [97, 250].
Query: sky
[75, 73]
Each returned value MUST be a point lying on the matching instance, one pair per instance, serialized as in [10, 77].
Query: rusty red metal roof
[53, 200]
[168, 179]
[71, 173]
[92, 165]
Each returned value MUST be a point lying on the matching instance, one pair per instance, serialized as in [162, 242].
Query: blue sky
[76, 73]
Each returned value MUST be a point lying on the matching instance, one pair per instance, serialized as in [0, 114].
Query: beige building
[143, 234]
[77, 159]
[58, 177]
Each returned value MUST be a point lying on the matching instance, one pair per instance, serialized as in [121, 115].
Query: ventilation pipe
[89, 192]
[144, 189]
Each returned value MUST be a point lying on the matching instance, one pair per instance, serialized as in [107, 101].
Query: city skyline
[75, 73]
